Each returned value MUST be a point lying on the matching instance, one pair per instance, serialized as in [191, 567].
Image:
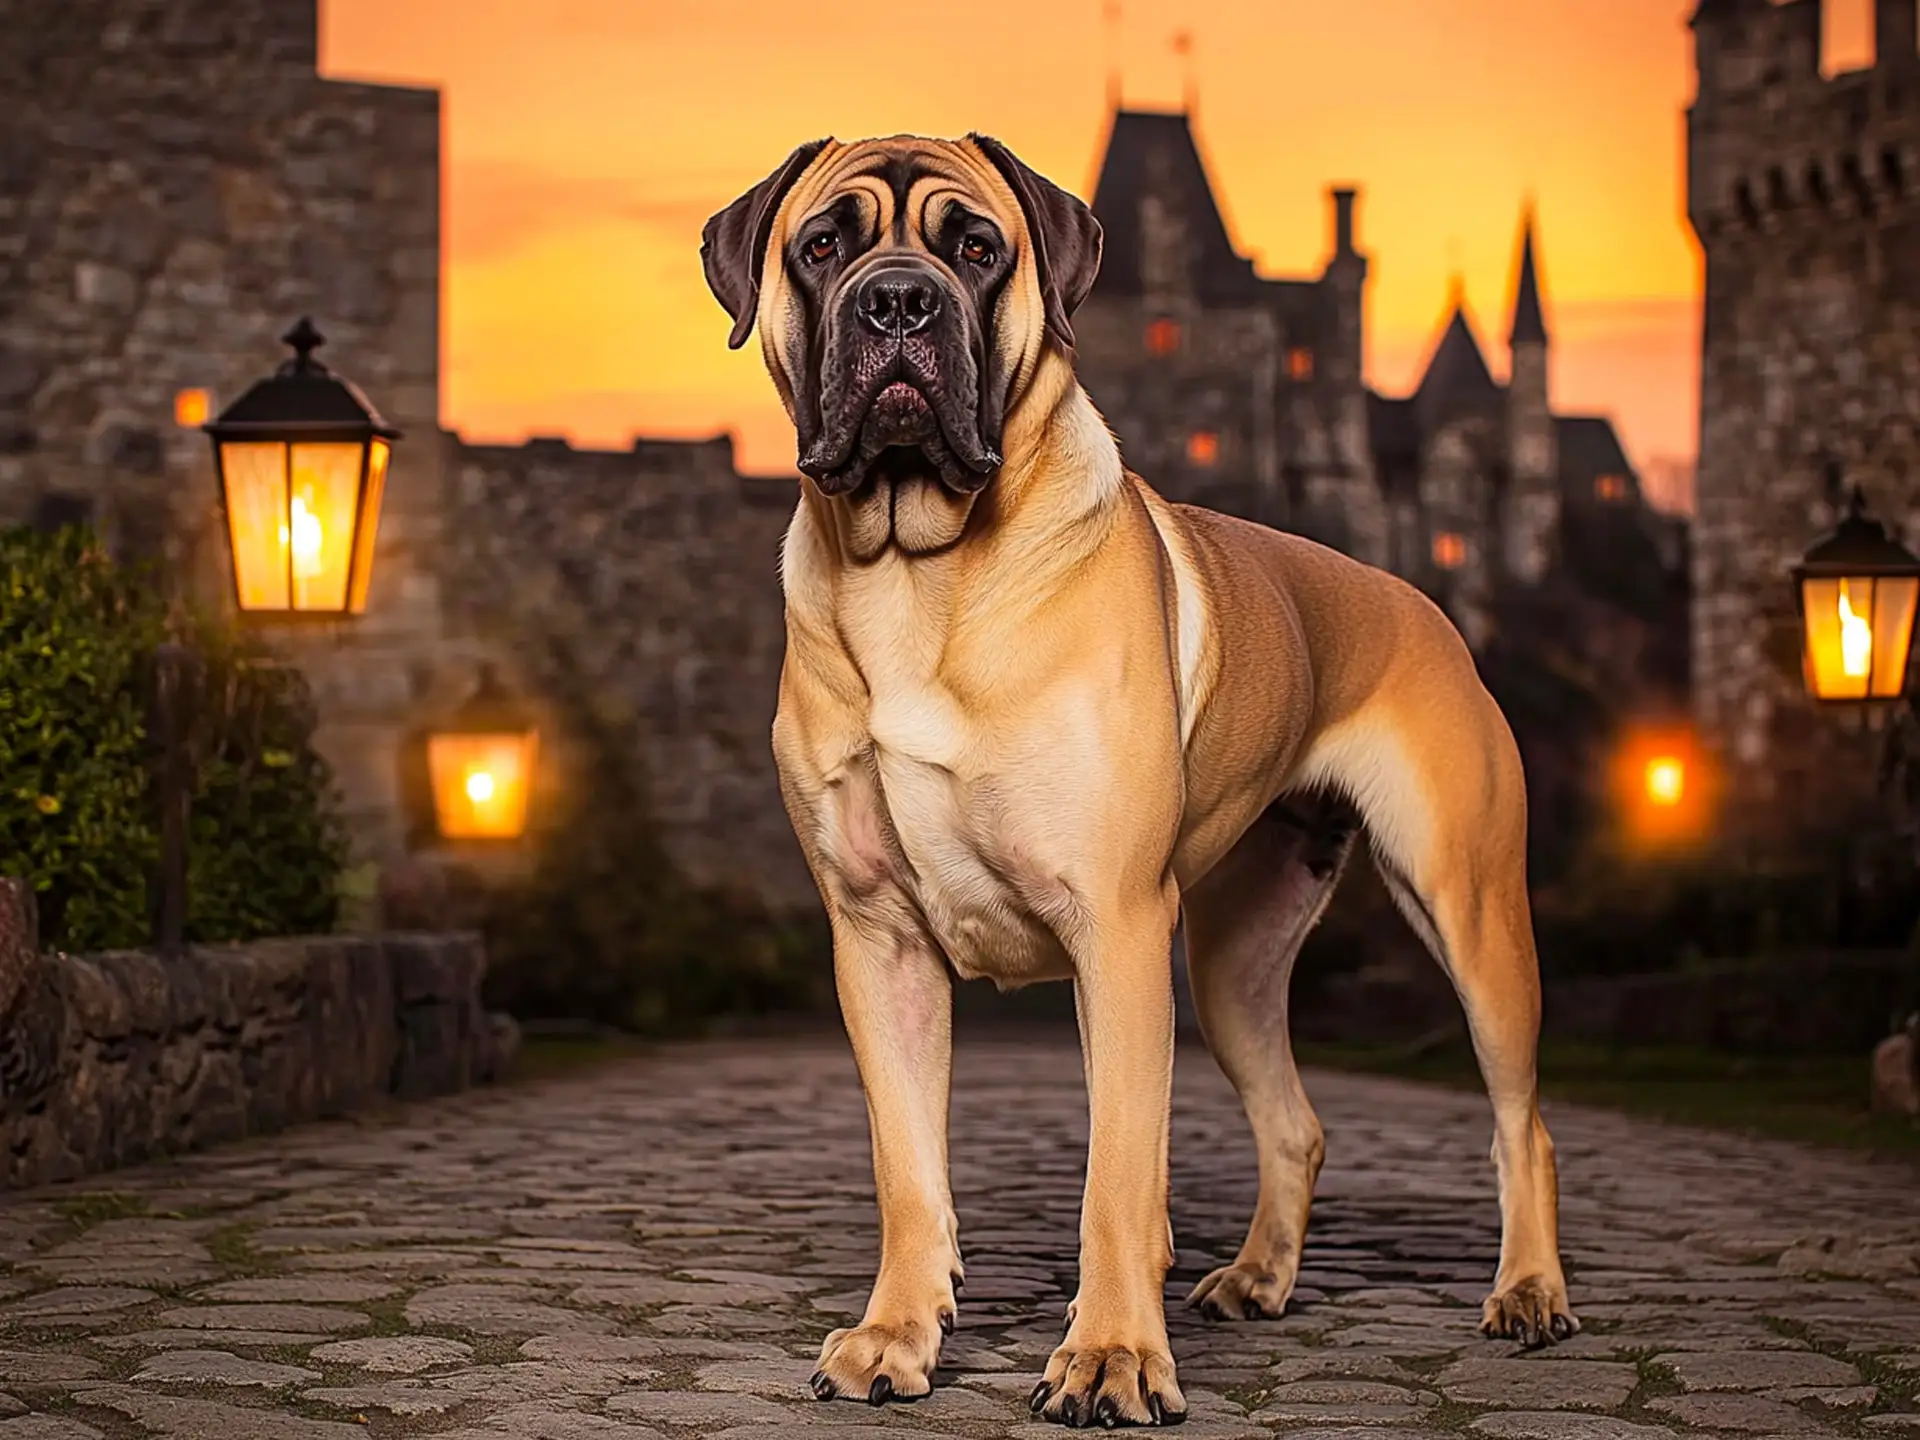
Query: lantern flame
[1856, 640]
[479, 787]
[1666, 780]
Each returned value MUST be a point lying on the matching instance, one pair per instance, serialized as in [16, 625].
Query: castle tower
[1533, 491]
[1802, 193]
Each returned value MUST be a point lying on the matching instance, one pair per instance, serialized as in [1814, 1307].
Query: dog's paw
[1533, 1311]
[1110, 1385]
[1243, 1292]
[878, 1362]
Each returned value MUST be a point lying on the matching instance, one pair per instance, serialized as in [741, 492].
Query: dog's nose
[898, 302]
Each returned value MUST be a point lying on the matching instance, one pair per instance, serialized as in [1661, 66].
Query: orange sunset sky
[588, 140]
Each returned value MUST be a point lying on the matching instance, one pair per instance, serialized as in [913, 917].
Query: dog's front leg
[896, 994]
[1115, 1365]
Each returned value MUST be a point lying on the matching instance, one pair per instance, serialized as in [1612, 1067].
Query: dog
[1031, 714]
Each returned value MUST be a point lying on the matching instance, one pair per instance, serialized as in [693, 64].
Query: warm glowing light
[1666, 780]
[1856, 640]
[302, 463]
[1203, 447]
[191, 408]
[480, 783]
[1163, 337]
[1611, 488]
[1663, 784]
[294, 544]
[1858, 634]
[1300, 363]
[1449, 550]
[306, 540]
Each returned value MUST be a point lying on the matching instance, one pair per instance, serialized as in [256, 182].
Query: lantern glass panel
[1893, 604]
[320, 522]
[480, 783]
[1859, 633]
[1839, 639]
[256, 482]
[377, 457]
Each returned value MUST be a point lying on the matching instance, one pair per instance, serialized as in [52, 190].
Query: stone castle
[1246, 393]
[1804, 191]
[177, 185]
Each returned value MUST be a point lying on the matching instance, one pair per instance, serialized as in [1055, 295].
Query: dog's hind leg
[1245, 922]
[1433, 767]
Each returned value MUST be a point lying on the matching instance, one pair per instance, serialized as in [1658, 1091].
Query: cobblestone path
[656, 1249]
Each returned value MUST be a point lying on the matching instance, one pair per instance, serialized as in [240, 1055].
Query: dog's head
[905, 289]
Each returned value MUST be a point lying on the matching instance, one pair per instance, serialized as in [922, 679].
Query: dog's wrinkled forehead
[901, 192]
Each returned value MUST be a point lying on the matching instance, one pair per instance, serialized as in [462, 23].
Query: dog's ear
[1066, 237]
[733, 246]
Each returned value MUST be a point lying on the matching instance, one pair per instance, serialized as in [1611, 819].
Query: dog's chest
[915, 815]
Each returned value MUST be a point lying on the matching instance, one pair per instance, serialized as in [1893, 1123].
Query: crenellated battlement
[1772, 142]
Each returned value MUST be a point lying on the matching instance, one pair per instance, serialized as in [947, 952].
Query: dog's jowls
[1031, 714]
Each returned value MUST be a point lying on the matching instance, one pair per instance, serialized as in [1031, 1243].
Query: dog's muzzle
[900, 385]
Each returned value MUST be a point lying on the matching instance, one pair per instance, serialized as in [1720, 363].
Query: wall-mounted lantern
[480, 762]
[1857, 589]
[302, 459]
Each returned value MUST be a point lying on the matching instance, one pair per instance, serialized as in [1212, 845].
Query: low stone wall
[113, 1058]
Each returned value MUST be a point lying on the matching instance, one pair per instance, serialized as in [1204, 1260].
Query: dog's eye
[976, 251]
[821, 247]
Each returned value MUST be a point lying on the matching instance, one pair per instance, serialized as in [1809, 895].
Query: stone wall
[109, 1059]
[1805, 194]
[177, 187]
[654, 574]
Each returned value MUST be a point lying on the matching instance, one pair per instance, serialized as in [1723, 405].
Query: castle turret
[1533, 493]
[1348, 484]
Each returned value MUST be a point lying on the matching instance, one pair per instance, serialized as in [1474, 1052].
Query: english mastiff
[1032, 714]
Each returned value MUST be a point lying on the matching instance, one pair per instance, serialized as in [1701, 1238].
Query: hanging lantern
[480, 763]
[302, 458]
[1857, 588]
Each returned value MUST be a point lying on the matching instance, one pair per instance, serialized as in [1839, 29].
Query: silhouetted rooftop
[1457, 381]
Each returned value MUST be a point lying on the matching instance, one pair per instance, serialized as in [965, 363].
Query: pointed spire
[1529, 321]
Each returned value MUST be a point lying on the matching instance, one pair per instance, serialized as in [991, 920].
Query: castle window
[1743, 201]
[1891, 170]
[1449, 550]
[191, 408]
[1777, 189]
[1203, 448]
[1611, 489]
[1300, 363]
[1163, 337]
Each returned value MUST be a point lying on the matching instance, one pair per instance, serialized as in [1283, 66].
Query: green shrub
[76, 632]
[267, 849]
[78, 795]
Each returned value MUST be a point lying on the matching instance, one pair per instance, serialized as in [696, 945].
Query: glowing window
[1163, 337]
[1611, 488]
[191, 408]
[1203, 447]
[1449, 550]
[1300, 363]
